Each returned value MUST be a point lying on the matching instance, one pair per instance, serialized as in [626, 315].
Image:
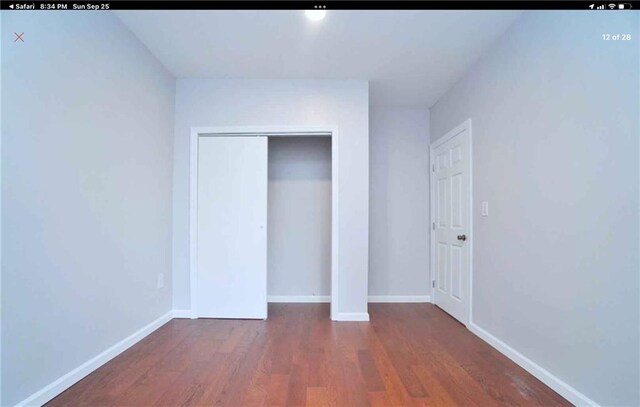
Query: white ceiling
[410, 57]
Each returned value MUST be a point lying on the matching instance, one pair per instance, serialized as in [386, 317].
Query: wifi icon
[612, 6]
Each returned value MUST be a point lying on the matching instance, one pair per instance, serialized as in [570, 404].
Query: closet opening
[299, 219]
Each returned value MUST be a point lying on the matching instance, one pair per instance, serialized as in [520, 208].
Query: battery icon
[623, 6]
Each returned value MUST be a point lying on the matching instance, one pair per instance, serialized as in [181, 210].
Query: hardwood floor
[408, 355]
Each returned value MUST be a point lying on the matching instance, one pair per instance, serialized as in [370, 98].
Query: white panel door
[232, 227]
[452, 206]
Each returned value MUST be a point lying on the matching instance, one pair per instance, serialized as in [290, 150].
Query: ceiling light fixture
[315, 15]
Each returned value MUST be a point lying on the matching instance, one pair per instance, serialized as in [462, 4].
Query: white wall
[554, 112]
[86, 192]
[344, 103]
[399, 202]
[299, 216]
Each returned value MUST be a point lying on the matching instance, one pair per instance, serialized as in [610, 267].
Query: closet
[263, 223]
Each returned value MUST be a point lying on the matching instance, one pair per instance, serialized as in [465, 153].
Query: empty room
[284, 203]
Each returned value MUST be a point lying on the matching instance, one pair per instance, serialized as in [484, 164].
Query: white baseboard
[352, 316]
[327, 298]
[298, 298]
[63, 383]
[181, 313]
[399, 298]
[562, 388]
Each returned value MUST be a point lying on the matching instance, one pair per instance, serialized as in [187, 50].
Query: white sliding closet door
[232, 227]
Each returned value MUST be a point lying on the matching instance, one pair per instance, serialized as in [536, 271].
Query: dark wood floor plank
[437, 395]
[147, 390]
[318, 371]
[338, 392]
[218, 378]
[396, 392]
[277, 390]
[408, 355]
[297, 391]
[317, 397]
[258, 390]
[369, 371]
[239, 382]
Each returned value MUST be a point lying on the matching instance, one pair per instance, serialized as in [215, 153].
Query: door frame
[262, 131]
[466, 125]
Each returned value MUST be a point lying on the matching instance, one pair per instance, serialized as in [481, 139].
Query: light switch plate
[161, 280]
[485, 208]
